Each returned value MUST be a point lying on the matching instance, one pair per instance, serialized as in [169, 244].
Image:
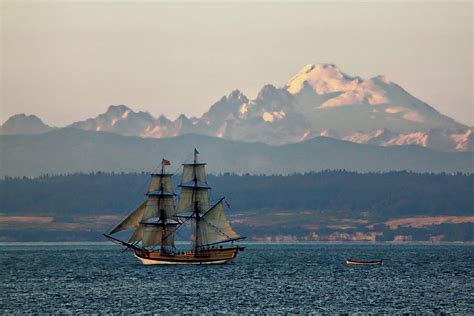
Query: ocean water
[265, 278]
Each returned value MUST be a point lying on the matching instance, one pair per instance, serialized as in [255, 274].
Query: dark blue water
[297, 278]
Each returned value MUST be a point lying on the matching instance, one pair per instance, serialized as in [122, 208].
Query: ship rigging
[156, 221]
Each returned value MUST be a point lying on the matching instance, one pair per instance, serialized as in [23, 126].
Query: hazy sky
[69, 60]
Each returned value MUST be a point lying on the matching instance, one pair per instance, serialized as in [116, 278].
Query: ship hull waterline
[215, 256]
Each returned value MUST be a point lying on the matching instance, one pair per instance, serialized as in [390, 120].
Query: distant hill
[24, 124]
[73, 150]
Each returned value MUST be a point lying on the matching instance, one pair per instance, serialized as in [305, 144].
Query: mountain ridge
[70, 150]
[320, 100]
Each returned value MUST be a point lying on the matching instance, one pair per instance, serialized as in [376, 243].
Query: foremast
[154, 220]
[162, 224]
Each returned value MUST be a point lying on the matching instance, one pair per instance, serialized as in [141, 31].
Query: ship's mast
[196, 209]
[160, 209]
[194, 197]
[155, 228]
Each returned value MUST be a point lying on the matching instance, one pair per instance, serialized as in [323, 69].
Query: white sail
[167, 203]
[137, 235]
[148, 231]
[191, 170]
[168, 240]
[158, 180]
[214, 226]
[151, 209]
[156, 203]
[189, 195]
[151, 235]
[132, 220]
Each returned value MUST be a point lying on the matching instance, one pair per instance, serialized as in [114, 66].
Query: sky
[66, 61]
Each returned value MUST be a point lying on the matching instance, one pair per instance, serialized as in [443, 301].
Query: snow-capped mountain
[435, 139]
[122, 120]
[119, 119]
[320, 100]
[332, 99]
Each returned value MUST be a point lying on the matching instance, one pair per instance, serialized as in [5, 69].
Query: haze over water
[266, 278]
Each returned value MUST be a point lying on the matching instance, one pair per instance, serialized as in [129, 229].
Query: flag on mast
[166, 162]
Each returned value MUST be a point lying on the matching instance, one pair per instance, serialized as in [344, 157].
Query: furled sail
[132, 220]
[190, 195]
[214, 226]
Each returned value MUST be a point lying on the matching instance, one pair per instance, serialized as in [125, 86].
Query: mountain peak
[227, 107]
[323, 78]
[266, 91]
[118, 110]
[24, 124]
[237, 94]
[272, 97]
[162, 119]
[182, 117]
[23, 116]
[382, 78]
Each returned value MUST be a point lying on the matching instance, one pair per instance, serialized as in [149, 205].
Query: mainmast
[194, 195]
[196, 209]
[160, 209]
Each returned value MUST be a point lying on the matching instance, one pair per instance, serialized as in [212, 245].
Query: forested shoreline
[386, 194]
[327, 205]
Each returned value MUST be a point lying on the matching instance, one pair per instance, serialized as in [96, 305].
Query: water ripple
[300, 278]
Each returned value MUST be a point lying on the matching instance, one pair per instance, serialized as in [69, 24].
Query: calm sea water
[266, 278]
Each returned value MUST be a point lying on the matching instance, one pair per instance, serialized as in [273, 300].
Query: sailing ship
[156, 221]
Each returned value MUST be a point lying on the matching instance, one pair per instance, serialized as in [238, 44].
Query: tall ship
[158, 219]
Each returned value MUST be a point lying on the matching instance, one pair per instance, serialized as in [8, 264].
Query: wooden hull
[349, 261]
[208, 256]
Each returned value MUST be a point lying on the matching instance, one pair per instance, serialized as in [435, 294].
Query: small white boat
[351, 261]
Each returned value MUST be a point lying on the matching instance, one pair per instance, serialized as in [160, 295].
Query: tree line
[386, 194]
